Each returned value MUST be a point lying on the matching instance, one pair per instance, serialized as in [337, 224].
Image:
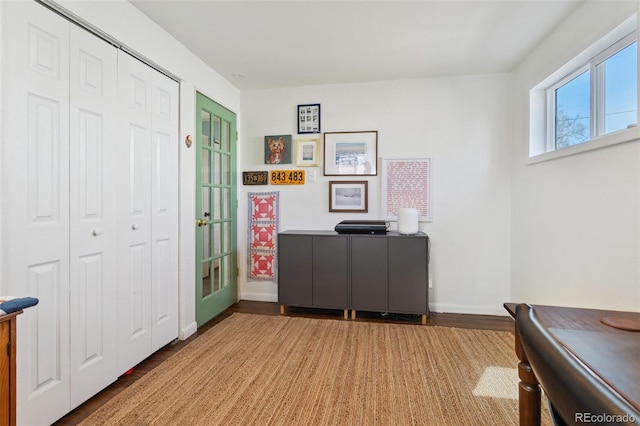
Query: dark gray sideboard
[379, 273]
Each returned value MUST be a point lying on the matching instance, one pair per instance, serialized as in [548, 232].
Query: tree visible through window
[598, 99]
[573, 115]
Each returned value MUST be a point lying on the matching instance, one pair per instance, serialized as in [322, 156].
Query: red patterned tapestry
[263, 235]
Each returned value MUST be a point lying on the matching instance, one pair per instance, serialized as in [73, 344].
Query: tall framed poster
[406, 182]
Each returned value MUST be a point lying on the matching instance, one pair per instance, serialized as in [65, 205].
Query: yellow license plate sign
[287, 177]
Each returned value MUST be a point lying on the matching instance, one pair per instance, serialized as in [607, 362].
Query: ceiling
[269, 44]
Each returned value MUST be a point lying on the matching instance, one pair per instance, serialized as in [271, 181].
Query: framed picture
[309, 118]
[307, 152]
[351, 153]
[277, 149]
[349, 196]
[406, 182]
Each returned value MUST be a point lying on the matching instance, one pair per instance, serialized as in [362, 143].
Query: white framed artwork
[406, 183]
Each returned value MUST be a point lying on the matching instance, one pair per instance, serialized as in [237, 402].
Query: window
[590, 102]
[598, 99]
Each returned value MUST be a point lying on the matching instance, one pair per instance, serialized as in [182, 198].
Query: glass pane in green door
[206, 166]
[206, 128]
[225, 136]
[216, 130]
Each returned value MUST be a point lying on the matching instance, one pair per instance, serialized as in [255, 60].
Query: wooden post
[528, 389]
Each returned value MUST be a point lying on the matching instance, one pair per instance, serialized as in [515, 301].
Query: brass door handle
[202, 222]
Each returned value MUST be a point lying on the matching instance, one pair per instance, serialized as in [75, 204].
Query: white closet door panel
[93, 215]
[35, 202]
[134, 304]
[164, 271]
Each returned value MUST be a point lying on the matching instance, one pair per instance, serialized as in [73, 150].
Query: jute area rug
[260, 370]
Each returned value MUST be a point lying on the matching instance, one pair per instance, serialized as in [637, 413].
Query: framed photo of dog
[277, 149]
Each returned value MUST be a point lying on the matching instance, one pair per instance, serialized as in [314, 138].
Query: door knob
[202, 222]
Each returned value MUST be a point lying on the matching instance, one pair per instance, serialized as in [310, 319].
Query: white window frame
[597, 85]
[542, 98]
[550, 122]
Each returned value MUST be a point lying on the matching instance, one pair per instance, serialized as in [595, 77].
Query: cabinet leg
[353, 314]
[424, 319]
[281, 309]
[346, 314]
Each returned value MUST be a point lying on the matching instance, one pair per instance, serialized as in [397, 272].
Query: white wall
[500, 227]
[462, 123]
[130, 27]
[575, 220]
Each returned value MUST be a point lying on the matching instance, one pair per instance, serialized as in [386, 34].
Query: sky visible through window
[620, 103]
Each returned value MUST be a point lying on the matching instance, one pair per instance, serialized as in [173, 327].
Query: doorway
[216, 205]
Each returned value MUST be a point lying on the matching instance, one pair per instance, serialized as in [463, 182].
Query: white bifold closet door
[148, 248]
[93, 171]
[88, 208]
[36, 202]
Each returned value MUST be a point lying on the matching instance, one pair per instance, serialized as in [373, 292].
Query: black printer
[362, 227]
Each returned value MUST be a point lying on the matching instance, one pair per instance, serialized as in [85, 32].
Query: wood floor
[484, 322]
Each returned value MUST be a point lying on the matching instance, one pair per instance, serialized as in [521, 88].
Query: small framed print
[309, 118]
[351, 153]
[348, 196]
[307, 152]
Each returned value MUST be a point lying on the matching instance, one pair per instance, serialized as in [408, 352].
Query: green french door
[216, 276]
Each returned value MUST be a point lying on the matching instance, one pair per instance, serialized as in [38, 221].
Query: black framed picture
[309, 118]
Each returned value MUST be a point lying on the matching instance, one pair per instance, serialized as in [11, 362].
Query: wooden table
[611, 353]
[8, 369]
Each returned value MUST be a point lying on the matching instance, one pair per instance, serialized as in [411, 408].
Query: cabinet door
[369, 273]
[330, 272]
[408, 274]
[294, 270]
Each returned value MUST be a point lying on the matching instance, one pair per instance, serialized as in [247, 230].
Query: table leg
[528, 389]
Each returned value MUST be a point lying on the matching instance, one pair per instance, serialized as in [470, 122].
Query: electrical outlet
[430, 283]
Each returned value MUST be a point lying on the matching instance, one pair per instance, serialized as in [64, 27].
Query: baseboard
[188, 331]
[468, 309]
[258, 297]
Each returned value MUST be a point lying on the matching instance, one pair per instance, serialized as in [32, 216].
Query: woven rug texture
[277, 370]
